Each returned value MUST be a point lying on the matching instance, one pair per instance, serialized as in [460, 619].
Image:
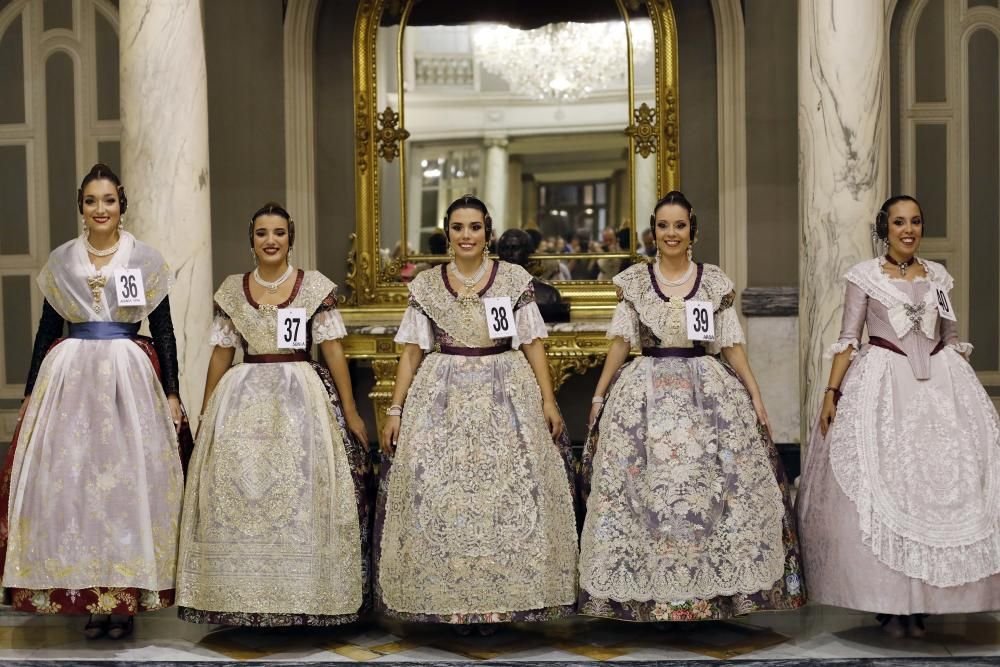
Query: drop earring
[121, 223]
[690, 252]
[254, 256]
[451, 252]
[486, 252]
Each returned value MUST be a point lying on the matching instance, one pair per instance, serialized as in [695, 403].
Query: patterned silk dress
[900, 503]
[275, 529]
[475, 521]
[93, 481]
[688, 515]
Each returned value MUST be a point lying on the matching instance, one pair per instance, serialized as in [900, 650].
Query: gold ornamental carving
[389, 135]
[645, 131]
[362, 134]
[670, 134]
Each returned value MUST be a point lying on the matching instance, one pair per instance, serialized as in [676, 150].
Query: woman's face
[672, 228]
[467, 233]
[101, 208]
[270, 240]
[906, 228]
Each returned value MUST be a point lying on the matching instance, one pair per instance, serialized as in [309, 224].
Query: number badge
[700, 320]
[499, 316]
[129, 287]
[292, 328]
[944, 305]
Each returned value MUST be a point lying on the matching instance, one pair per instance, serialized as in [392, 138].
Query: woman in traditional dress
[475, 522]
[93, 482]
[275, 528]
[900, 497]
[688, 516]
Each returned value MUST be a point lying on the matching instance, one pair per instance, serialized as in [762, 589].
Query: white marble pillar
[843, 166]
[495, 190]
[645, 195]
[164, 148]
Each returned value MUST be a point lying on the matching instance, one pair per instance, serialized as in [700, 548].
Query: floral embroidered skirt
[475, 520]
[89, 470]
[688, 511]
[275, 530]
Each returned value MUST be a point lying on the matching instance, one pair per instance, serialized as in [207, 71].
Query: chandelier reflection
[562, 61]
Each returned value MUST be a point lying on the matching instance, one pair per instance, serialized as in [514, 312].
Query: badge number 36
[291, 328]
[129, 288]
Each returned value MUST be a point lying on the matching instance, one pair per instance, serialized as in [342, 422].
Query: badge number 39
[292, 328]
[700, 320]
[129, 288]
[499, 316]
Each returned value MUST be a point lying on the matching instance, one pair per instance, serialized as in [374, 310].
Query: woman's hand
[758, 407]
[595, 410]
[356, 425]
[176, 411]
[552, 418]
[390, 433]
[827, 413]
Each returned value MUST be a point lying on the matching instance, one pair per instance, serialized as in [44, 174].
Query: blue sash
[103, 330]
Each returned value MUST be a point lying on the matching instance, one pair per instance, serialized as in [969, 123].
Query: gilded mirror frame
[652, 133]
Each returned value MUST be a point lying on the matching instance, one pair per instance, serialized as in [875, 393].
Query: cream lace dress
[271, 533]
[688, 516]
[475, 512]
[900, 502]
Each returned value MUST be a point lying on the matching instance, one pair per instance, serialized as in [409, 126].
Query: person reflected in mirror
[582, 268]
[689, 517]
[437, 244]
[515, 247]
[475, 522]
[648, 243]
[545, 270]
[898, 498]
[275, 524]
[93, 478]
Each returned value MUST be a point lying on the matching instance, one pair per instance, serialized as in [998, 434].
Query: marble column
[164, 149]
[495, 190]
[843, 166]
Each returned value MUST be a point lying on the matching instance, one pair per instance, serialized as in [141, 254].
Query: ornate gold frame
[379, 133]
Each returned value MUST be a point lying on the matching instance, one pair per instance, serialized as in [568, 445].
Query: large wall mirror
[562, 117]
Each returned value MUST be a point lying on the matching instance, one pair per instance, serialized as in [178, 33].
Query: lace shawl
[664, 320]
[432, 304]
[258, 326]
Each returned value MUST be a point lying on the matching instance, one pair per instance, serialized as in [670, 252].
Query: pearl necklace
[469, 282]
[673, 283]
[272, 287]
[101, 253]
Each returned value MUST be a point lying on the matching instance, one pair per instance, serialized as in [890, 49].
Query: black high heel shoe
[96, 628]
[121, 629]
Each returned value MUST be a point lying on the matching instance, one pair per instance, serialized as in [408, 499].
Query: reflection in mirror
[527, 115]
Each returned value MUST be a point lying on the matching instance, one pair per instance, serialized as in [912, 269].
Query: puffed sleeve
[415, 328]
[728, 331]
[223, 332]
[528, 322]
[50, 327]
[327, 324]
[625, 324]
[853, 321]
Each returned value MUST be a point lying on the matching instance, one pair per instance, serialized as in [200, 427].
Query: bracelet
[394, 411]
[836, 392]
[597, 400]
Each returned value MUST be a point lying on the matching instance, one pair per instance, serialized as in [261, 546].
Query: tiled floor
[814, 632]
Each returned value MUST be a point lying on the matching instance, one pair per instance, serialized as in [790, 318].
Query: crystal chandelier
[562, 61]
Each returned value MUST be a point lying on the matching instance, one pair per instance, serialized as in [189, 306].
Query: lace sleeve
[728, 331]
[949, 334]
[853, 321]
[416, 328]
[625, 324]
[223, 333]
[327, 324]
[528, 325]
